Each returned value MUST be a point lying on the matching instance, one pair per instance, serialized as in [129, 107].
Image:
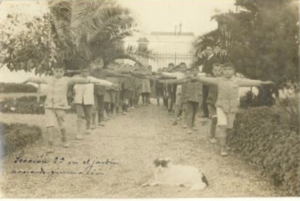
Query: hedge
[261, 135]
[16, 136]
[23, 105]
[17, 88]
[26, 105]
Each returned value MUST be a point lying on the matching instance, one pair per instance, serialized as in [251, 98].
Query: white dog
[177, 175]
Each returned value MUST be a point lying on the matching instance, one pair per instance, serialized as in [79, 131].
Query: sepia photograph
[134, 99]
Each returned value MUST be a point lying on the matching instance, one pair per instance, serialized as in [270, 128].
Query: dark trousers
[205, 90]
[191, 111]
[100, 107]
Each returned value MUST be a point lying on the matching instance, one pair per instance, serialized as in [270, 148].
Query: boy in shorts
[228, 99]
[211, 101]
[56, 101]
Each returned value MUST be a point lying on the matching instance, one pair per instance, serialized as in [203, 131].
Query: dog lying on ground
[169, 174]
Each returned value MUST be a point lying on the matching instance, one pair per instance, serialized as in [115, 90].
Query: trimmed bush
[17, 88]
[16, 136]
[26, 105]
[23, 105]
[263, 137]
[248, 100]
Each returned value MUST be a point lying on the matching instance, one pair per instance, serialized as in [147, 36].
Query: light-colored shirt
[228, 91]
[84, 93]
[56, 94]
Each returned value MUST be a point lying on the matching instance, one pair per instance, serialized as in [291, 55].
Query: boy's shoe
[88, 131]
[184, 126]
[124, 113]
[228, 148]
[93, 126]
[174, 123]
[195, 129]
[66, 145]
[224, 152]
[213, 140]
[79, 137]
[101, 124]
[190, 131]
[50, 149]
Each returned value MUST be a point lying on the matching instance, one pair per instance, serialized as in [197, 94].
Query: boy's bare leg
[229, 135]
[79, 128]
[61, 122]
[222, 137]
[177, 112]
[64, 137]
[189, 116]
[50, 135]
[184, 111]
[94, 115]
[213, 127]
[170, 105]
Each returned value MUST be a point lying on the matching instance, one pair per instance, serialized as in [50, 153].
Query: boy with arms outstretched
[56, 100]
[211, 101]
[228, 99]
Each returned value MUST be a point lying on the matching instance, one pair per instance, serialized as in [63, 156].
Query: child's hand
[115, 86]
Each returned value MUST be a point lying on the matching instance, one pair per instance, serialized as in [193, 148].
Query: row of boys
[222, 100]
[105, 89]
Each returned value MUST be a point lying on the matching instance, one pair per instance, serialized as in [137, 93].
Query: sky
[164, 15]
[151, 16]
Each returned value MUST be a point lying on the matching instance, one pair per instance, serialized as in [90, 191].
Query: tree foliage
[93, 29]
[261, 38]
[26, 45]
[76, 32]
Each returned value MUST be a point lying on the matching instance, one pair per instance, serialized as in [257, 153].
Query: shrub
[289, 109]
[23, 105]
[26, 105]
[263, 98]
[17, 88]
[248, 100]
[264, 138]
[16, 136]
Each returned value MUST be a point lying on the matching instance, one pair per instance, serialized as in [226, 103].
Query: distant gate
[160, 60]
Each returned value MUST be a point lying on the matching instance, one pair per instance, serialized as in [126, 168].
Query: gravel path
[131, 141]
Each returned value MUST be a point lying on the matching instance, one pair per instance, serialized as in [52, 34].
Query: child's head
[59, 70]
[188, 72]
[170, 67]
[228, 69]
[195, 70]
[85, 71]
[182, 67]
[217, 69]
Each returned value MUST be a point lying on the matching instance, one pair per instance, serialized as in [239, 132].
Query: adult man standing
[207, 69]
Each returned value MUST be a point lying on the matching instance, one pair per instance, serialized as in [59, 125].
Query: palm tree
[91, 29]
